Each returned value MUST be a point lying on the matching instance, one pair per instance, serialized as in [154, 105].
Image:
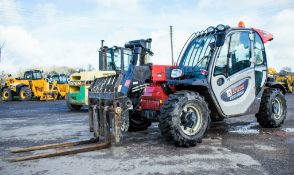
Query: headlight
[176, 73]
[220, 27]
[210, 29]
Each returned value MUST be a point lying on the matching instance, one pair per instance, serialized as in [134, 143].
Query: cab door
[260, 64]
[233, 76]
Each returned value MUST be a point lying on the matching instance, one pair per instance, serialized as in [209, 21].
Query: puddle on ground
[154, 125]
[252, 128]
[288, 129]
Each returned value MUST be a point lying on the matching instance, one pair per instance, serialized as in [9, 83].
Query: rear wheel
[6, 94]
[138, 123]
[184, 118]
[73, 107]
[273, 109]
[25, 94]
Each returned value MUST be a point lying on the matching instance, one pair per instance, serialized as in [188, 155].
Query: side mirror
[220, 40]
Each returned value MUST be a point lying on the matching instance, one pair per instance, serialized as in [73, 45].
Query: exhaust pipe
[171, 43]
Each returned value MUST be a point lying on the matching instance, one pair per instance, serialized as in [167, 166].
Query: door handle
[220, 81]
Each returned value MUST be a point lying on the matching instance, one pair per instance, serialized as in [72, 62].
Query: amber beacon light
[241, 24]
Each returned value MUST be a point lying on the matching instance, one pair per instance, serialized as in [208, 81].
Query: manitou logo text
[235, 91]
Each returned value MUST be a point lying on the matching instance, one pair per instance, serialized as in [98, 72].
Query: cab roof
[265, 36]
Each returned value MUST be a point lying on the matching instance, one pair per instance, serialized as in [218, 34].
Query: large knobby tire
[138, 122]
[184, 118]
[273, 109]
[6, 94]
[73, 107]
[25, 94]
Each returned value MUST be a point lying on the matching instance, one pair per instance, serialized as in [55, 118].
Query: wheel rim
[23, 94]
[277, 108]
[191, 120]
[5, 95]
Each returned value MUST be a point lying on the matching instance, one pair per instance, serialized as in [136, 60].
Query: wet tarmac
[234, 146]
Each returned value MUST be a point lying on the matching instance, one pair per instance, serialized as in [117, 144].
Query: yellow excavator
[32, 84]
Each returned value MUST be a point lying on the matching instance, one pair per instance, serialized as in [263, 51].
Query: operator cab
[33, 75]
[60, 78]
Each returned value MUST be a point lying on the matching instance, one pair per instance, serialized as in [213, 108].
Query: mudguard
[19, 86]
[276, 85]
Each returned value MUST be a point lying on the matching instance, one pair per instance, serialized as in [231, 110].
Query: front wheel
[184, 118]
[273, 109]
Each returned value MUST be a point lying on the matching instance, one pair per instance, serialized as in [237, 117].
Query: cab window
[127, 59]
[259, 51]
[239, 53]
[37, 75]
[234, 55]
[28, 75]
[114, 59]
[222, 60]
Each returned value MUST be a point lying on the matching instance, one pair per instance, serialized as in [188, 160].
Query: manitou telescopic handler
[221, 73]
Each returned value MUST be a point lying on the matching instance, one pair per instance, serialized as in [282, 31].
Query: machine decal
[127, 83]
[235, 91]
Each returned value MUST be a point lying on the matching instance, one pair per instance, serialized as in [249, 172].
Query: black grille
[104, 88]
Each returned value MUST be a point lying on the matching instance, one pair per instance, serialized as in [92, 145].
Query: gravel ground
[234, 146]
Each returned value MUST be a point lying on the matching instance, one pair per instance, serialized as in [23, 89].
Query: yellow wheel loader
[62, 84]
[286, 81]
[33, 84]
[284, 78]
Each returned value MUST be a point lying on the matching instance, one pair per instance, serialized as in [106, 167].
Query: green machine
[111, 60]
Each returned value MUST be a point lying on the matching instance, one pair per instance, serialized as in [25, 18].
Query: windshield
[63, 79]
[114, 59]
[32, 75]
[197, 53]
[28, 75]
[55, 78]
[37, 75]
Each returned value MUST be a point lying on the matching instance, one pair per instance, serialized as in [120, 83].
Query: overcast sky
[47, 33]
